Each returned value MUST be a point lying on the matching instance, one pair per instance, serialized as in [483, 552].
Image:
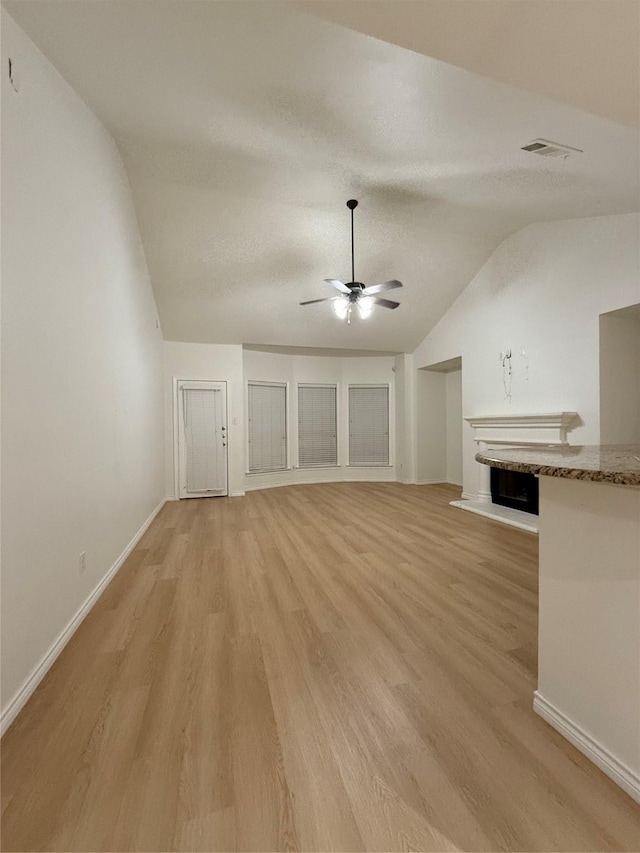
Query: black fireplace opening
[514, 489]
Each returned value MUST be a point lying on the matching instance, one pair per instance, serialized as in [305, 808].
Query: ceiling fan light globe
[365, 307]
[340, 307]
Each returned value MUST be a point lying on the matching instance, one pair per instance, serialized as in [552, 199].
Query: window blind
[267, 427]
[317, 428]
[368, 425]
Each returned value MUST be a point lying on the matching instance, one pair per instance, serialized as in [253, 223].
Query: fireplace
[506, 501]
[514, 489]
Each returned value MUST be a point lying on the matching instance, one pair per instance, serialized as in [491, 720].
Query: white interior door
[202, 439]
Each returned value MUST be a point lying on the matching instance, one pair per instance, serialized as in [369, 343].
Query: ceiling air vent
[545, 148]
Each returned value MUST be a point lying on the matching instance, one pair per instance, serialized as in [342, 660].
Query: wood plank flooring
[331, 667]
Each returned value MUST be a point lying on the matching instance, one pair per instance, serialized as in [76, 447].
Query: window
[368, 425]
[317, 431]
[267, 426]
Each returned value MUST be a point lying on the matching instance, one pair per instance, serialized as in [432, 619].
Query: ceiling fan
[354, 293]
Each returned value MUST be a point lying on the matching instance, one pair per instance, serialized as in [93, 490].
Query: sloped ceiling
[585, 53]
[245, 127]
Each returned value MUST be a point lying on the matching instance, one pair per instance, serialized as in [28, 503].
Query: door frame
[177, 407]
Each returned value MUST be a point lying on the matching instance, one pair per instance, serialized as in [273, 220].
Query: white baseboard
[258, 488]
[231, 495]
[437, 482]
[38, 673]
[622, 775]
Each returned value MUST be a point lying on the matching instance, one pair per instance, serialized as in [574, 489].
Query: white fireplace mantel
[525, 429]
[544, 428]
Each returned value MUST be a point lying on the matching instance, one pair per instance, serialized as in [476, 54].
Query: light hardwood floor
[332, 667]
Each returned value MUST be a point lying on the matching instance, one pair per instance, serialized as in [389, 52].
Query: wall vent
[545, 148]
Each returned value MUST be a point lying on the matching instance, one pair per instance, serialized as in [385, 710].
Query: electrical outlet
[82, 562]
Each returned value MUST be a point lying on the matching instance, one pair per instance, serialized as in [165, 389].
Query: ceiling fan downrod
[352, 204]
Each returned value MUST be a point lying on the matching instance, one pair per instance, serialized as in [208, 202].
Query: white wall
[81, 361]
[620, 378]
[213, 362]
[541, 292]
[589, 632]
[431, 432]
[271, 367]
[402, 375]
[405, 417]
[453, 394]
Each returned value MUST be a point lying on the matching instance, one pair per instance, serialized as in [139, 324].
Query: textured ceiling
[583, 52]
[246, 126]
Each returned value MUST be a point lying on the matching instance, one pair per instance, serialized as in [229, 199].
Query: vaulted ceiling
[245, 127]
[582, 52]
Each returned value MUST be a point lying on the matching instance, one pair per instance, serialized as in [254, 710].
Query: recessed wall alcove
[439, 423]
[620, 376]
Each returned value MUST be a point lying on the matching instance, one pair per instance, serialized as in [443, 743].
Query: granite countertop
[605, 463]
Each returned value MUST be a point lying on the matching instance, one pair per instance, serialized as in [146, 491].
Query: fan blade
[338, 285]
[379, 288]
[326, 299]
[385, 303]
